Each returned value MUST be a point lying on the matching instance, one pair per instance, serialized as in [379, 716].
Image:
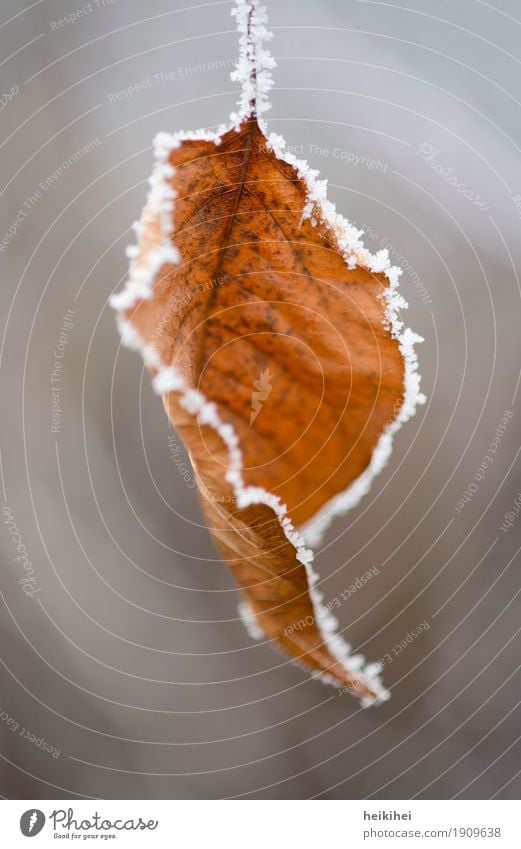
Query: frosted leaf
[253, 72]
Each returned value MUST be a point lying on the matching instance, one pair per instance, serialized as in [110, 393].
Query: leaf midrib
[225, 242]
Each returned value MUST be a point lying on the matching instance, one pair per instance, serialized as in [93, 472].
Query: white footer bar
[260, 824]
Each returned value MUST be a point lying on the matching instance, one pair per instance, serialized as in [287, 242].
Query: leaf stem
[252, 50]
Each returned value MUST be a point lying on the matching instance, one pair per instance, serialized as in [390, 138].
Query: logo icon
[263, 387]
[32, 822]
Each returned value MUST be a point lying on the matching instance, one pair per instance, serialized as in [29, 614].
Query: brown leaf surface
[260, 291]
[264, 306]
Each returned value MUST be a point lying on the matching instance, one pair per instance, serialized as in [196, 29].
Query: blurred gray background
[123, 657]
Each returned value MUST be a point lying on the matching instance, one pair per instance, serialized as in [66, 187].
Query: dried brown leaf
[270, 335]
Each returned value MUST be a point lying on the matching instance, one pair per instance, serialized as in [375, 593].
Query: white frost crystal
[253, 69]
